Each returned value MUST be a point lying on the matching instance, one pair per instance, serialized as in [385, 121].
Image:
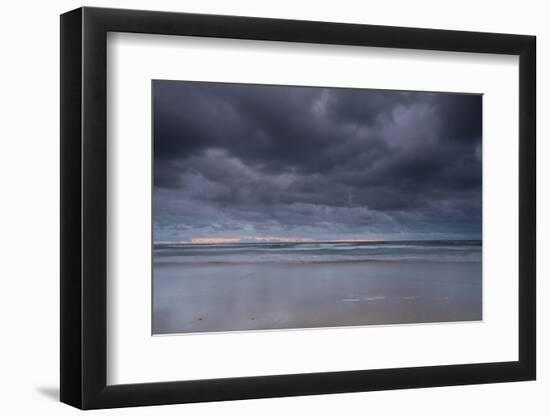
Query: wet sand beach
[214, 297]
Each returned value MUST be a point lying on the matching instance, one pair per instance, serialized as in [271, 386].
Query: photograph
[295, 207]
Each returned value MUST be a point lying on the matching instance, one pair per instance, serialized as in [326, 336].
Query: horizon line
[221, 241]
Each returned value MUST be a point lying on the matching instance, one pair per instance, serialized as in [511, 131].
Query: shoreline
[298, 262]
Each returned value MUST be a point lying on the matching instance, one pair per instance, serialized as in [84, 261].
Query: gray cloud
[253, 160]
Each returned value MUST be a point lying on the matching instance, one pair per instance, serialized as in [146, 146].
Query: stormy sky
[255, 161]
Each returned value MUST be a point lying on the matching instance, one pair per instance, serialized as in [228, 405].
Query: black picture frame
[84, 207]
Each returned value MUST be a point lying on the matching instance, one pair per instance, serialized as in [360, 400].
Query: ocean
[441, 250]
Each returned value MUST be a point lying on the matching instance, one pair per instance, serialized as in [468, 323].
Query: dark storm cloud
[253, 160]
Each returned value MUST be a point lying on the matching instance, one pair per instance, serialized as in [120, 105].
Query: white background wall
[29, 174]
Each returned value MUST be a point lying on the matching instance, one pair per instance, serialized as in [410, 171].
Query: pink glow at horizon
[215, 240]
[282, 239]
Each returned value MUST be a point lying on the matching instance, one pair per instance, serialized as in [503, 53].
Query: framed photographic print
[257, 207]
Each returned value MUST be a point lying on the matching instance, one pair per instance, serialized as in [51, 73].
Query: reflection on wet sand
[210, 297]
